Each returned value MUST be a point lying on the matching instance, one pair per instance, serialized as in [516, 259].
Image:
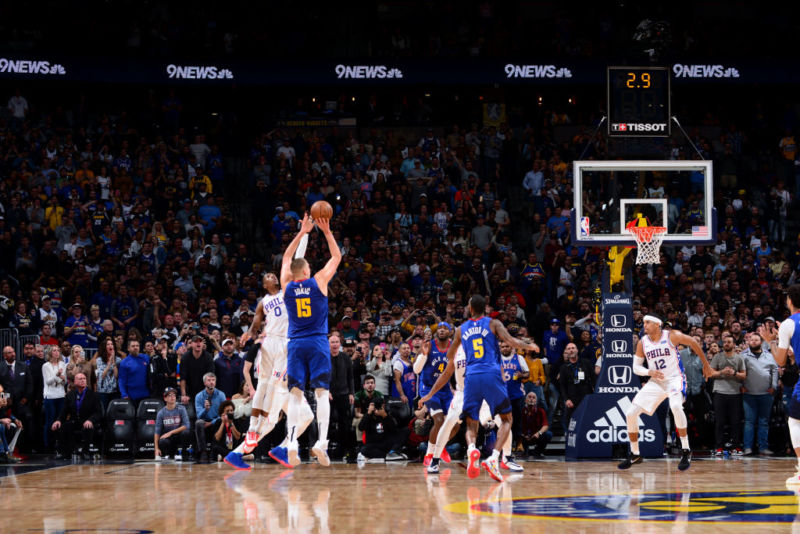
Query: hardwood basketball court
[744, 495]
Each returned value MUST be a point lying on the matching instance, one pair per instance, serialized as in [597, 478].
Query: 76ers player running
[667, 381]
[483, 380]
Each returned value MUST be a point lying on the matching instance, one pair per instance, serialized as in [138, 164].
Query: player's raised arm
[783, 335]
[255, 326]
[676, 337]
[288, 254]
[444, 378]
[422, 357]
[499, 330]
[325, 274]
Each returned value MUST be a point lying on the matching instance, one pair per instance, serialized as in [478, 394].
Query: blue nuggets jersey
[434, 365]
[307, 308]
[512, 368]
[794, 401]
[480, 346]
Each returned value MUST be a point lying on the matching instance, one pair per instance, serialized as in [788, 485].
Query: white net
[648, 240]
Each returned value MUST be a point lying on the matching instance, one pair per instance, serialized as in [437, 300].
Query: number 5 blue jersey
[307, 307]
[481, 347]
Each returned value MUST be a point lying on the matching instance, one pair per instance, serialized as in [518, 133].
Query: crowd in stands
[121, 269]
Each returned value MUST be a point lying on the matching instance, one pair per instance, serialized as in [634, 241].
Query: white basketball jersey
[276, 320]
[460, 362]
[662, 355]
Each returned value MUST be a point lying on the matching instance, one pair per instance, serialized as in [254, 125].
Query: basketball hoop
[648, 239]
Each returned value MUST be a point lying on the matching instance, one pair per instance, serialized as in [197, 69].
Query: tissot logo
[619, 320]
[536, 71]
[619, 375]
[619, 345]
[639, 127]
[26, 66]
[367, 72]
[197, 72]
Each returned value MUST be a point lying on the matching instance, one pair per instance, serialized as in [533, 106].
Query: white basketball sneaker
[320, 450]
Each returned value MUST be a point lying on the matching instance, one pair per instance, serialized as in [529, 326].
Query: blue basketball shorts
[487, 387]
[440, 402]
[308, 360]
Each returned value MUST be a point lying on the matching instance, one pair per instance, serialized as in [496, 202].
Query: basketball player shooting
[309, 358]
[667, 381]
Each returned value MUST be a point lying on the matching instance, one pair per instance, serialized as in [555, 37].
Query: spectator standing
[758, 391]
[228, 369]
[76, 327]
[380, 367]
[17, 380]
[515, 370]
[554, 342]
[342, 392]
[54, 376]
[107, 371]
[163, 366]
[195, 363]
[729, 372]
[132, 378]
[576, 379]
[404, 385]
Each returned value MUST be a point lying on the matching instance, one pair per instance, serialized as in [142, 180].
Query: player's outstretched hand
[422, 401]
[324, 225]
[245, 338]
[655, 373]
[767, 334]
[307, 224]
[708, 372]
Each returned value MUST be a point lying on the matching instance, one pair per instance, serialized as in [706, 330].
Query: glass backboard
[674, 194]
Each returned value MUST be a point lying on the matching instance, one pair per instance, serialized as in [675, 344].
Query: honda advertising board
[599, 423]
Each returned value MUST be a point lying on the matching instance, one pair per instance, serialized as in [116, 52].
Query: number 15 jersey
[307, 308]
[481, 347]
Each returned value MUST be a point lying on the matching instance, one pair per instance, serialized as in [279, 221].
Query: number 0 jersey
[663, 356]
[481, 347]
[307, 308]
[276, 321]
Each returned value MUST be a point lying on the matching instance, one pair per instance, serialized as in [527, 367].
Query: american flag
[699, 231]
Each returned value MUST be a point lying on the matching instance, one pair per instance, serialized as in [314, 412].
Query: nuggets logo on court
[751, 507]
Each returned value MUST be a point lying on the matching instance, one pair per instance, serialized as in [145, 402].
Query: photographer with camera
[226, 437]
[383, 437]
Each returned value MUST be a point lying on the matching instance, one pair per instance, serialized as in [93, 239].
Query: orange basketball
[321, 210]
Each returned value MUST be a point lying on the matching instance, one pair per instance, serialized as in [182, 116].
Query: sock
[495, 454]
[685, 442]
[255, 422]
[293, 415]
[323, 414]
[635, 448]
[431, 448]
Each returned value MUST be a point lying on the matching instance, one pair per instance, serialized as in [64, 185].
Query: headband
[653, 319]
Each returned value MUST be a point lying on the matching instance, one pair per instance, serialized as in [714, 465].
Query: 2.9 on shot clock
[638, 102]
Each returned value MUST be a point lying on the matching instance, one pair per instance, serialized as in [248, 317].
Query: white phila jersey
[460, 362]
[663, 356]
[276, 320]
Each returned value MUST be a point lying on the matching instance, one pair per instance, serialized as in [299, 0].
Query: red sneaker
[474, 465]
[445, 456]
[427, 460]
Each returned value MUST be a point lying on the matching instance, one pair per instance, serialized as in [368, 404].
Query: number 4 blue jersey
[481, 347]
[307, 308]
[434, 365]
